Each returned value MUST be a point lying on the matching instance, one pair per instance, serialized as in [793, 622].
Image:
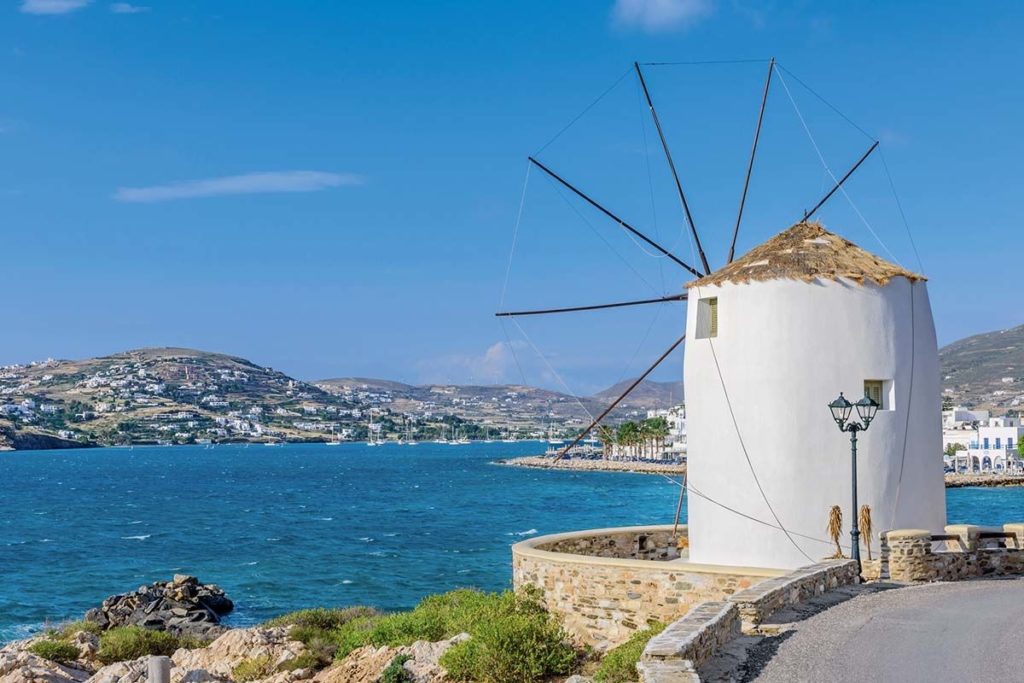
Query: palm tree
[628, 434]
[607, 436]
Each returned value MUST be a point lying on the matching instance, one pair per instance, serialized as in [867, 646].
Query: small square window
[881, 392]
[707, 318]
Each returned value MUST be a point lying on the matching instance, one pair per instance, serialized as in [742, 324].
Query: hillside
[176, 395]
[986, 370]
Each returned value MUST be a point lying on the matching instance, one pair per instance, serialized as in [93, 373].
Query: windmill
[762, 363]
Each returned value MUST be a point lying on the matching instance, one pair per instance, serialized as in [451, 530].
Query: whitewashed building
[772, 338]
[993, 447]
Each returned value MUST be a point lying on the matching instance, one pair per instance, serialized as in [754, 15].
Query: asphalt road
[967, 631]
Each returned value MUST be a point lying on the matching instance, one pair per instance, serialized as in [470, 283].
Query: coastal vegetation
[512, 637]
[56, 650]
[619, 665]
[130, 642]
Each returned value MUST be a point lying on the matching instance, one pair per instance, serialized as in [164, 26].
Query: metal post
[159, 669]
[854, 531]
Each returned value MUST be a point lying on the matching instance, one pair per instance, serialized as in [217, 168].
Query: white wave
[250, 564]
[273, 539]
[46, 540]
[347, 581]
[391, 535]
[367, 539]
[528, 532]
[141, 537]
[326, 519]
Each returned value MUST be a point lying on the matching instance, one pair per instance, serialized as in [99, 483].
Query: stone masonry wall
[910, 555]
[674, 655]
[759, 602]
[603, 601]
[658, 544]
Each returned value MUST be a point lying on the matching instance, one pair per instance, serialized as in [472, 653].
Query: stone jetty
[959, 480]
[182, 606]
[579, 464]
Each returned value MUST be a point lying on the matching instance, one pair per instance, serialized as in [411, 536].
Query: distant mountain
[986, 370]
[649, 394]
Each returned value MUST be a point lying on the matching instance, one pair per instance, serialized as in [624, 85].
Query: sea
[303, 525]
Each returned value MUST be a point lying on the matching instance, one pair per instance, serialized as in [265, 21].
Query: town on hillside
[181, 396]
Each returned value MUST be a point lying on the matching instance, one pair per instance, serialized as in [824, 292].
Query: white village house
[992, 448]
[772, 338]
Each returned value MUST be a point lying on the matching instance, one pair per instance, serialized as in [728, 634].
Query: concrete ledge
[675, 654]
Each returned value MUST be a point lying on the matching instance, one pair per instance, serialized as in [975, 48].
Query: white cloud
[495, 365]
[127, 8]
[249, 183]
[52, 6]
[660, 15]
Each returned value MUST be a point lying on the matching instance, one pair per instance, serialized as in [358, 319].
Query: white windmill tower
[773, 337]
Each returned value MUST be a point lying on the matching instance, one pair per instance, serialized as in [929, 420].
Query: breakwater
[547, 463]
[954, 481]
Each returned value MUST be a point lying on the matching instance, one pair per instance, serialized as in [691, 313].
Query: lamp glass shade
[866, 409]
[841, 409]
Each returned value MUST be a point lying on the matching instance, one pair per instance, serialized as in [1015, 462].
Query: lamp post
[841, 409]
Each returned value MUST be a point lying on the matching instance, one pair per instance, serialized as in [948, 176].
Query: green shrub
[321, 617]
[131, 642]
[58, 651]
[619, 665]
[513, 637]
[252, 669]
[513, 640]
[396, 671]
[306, 660]
[72, 627]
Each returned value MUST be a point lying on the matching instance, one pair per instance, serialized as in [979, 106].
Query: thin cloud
[127, 8]
[52, 6]
[654, 16]
[249, 183]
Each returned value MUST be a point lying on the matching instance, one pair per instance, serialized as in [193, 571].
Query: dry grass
[807, 252]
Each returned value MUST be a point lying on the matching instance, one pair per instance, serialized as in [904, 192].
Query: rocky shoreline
[576, 464]
[958, 480]
[179, 619]
[182, 606]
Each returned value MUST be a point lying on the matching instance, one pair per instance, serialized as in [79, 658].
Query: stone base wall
[916, 556]
[604, 600]
[657, 544]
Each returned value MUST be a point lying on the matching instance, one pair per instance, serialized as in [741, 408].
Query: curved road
[967, 631]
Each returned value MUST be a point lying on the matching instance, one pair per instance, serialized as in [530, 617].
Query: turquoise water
[305, 525]
[286, 527]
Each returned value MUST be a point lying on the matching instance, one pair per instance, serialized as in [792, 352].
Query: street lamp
[841, 409]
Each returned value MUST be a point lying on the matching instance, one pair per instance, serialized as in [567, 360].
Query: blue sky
[332, 188]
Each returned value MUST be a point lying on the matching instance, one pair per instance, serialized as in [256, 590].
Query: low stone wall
[674, 655]
[645, 544]
[603, 600]
[759, 602]
[918, 556]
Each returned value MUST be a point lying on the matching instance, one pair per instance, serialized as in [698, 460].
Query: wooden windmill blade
[593, 307]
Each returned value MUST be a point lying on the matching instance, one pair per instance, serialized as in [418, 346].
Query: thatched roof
[807, 251]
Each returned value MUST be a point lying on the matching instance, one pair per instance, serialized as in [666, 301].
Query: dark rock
[182, 606]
